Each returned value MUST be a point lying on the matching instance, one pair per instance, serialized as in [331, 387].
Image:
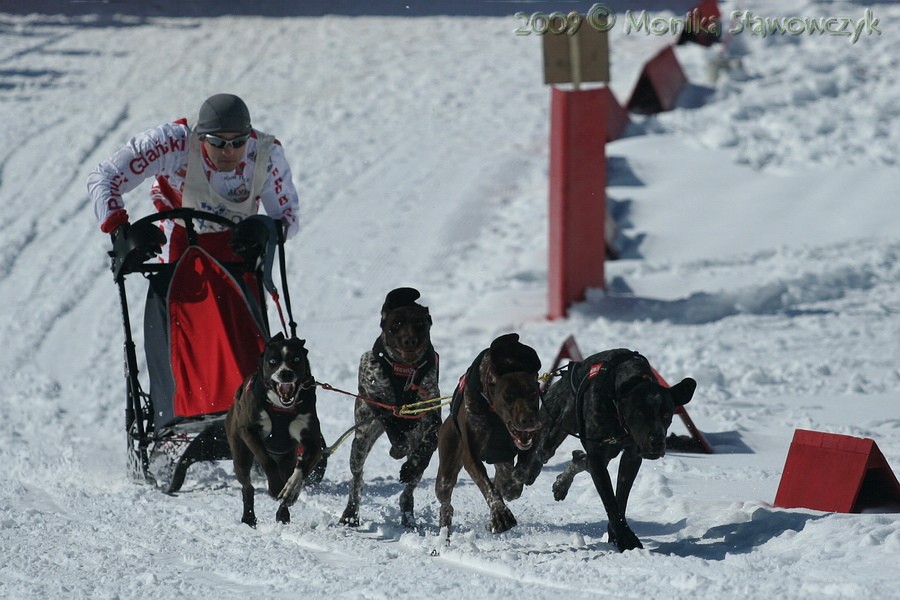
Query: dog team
[611, 401]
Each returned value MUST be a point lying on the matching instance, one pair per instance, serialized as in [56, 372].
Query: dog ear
[509, 355]
[278, 337]
[396, 298]
[683, 391]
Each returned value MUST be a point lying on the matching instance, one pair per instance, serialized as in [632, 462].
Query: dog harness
[500, 446]
[405, 379]
[406, 382]
[581, 373]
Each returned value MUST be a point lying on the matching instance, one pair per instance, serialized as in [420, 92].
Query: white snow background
[761, 256]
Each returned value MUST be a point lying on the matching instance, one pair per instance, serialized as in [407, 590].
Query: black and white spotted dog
[400, 369]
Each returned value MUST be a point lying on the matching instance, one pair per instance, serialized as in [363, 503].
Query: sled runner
[205, 324]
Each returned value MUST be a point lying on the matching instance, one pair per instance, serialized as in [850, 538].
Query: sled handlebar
[142, 240]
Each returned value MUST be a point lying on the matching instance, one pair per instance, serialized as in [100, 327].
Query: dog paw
[624, 538]
[350, 519]
[502, 519]
[291, 490]
[561, 487]
[408, 521]
[283, 515]
[249, 520]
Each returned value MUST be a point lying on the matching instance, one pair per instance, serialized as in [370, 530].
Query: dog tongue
[285, 390]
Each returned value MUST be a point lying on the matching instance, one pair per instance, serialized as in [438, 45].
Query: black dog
[273, 420]
[613, 402]
[401, 369]
[494, 417]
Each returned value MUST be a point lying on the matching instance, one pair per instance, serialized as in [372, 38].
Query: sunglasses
[221, 143]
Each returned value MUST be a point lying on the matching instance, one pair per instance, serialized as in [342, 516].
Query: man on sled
[205, 323]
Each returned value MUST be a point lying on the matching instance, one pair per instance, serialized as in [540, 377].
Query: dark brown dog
[494, 418]
[273, 420]
[613, 402]
[401, 368]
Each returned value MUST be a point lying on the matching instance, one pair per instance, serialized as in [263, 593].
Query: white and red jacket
[163, 153]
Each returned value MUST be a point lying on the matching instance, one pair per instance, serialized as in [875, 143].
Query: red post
[577, 196]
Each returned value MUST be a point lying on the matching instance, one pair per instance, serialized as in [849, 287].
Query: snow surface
[761, 256]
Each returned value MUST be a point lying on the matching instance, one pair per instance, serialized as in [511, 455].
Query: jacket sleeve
[158, 151]
[279, 196]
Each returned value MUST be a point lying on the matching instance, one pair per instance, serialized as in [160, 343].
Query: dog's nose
[656, 446]
[530, 423]
[286, 376]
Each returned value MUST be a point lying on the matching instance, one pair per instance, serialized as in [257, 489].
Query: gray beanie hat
[223, 112]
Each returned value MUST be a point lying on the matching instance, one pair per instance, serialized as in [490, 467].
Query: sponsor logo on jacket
[140, 163]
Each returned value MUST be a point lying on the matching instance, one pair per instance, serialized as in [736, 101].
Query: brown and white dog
[273, 420]
[494, 418]
[401, 368]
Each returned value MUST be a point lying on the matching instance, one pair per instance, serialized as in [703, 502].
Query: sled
[205, 324]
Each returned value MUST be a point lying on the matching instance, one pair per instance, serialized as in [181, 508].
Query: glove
[120, 233]
[114, 221]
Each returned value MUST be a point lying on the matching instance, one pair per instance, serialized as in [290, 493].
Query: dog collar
[402, 370]
[270, 406]
[405, 378]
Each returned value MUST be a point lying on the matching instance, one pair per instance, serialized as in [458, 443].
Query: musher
[220, 164]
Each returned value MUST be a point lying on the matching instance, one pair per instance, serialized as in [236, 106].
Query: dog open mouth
[522, 438]
[285, 393]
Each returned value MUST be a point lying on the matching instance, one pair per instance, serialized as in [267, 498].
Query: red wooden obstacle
[836, 473]
[659, 84]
